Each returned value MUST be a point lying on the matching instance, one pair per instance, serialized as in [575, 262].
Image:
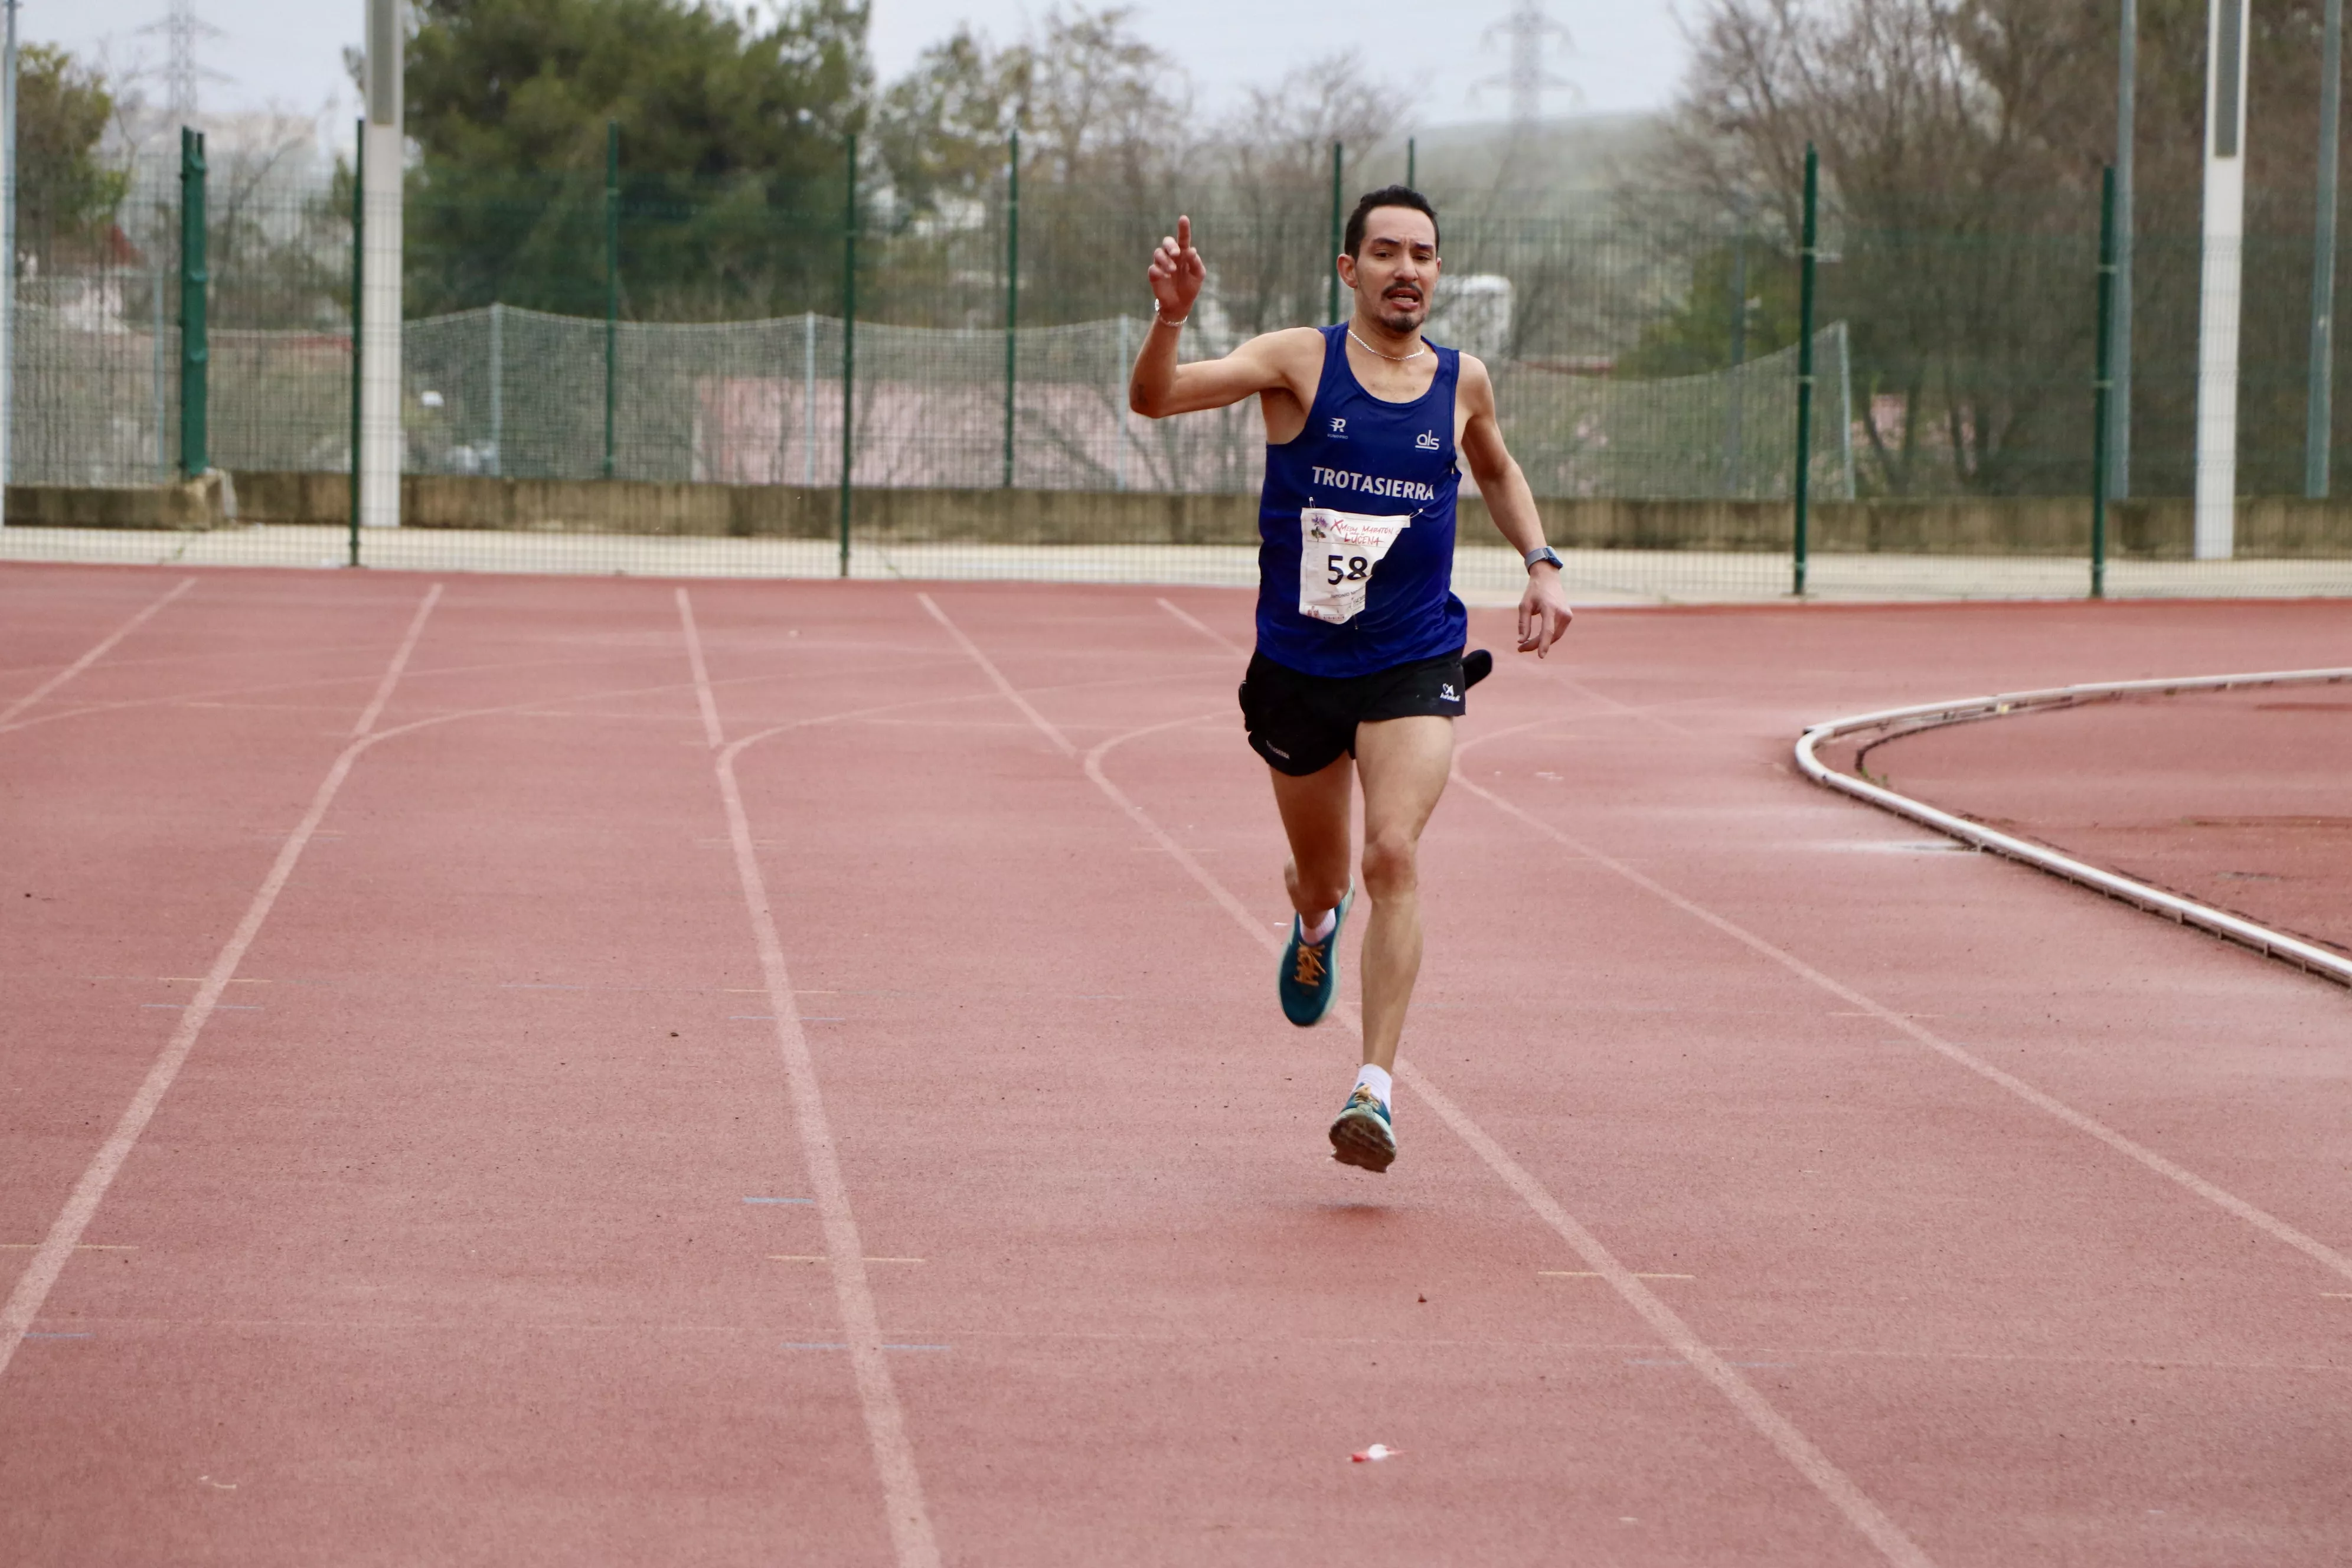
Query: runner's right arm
[1289, 360]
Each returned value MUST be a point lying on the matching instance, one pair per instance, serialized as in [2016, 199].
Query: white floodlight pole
[379, 393]
[7, 255]
[2218, 300]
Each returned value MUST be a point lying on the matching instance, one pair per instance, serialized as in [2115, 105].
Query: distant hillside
[1567, 165]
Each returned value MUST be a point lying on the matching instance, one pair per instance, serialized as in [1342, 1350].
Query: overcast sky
[1622, 54]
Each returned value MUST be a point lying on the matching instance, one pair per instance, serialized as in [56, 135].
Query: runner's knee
[1389, 865]
[1321, 890]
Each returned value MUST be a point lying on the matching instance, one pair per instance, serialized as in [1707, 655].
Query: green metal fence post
[2320, 397]
[2102, 382]
[1011, 295]
[849, 344]
[612, 282]
[359, 308]
[1332, 261]
[1807, 257]
[195, 350]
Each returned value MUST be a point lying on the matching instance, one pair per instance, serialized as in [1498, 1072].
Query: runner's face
[1395, 272]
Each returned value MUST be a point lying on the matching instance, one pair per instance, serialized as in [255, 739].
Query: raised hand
[1177, 273]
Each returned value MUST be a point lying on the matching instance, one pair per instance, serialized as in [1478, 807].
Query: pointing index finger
[1183, 233]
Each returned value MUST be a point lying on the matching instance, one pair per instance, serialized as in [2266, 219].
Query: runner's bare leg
[1319, 817]
[1403, 763]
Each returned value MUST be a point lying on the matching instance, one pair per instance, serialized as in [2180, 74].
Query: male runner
[1359, 670]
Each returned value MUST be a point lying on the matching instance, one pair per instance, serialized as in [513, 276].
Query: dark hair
[1386, 197]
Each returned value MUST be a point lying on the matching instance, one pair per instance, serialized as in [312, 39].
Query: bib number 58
[1346, 568]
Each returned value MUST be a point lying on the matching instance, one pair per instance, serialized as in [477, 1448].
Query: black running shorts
[1301, 724]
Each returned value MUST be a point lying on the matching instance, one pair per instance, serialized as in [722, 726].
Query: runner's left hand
[1544, 614]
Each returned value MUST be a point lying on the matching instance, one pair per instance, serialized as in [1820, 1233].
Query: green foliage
[67, 196]
[1697, 335]
[1102, 136]
[944, 126]
[730, 146]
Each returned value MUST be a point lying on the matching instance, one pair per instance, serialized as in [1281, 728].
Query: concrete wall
[624, 506]
[208, 502]
[2267, 526]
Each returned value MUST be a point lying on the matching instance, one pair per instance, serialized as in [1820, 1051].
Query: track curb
[2307, 956]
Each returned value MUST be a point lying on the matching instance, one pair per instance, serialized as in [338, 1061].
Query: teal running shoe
[1362, 1136]
[1309, 980]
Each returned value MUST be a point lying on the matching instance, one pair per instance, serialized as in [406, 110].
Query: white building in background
[1473, 313]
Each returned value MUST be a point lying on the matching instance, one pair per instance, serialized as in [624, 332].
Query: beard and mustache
[1402, 307]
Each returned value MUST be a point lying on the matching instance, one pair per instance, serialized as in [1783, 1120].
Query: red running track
[1775, 1189]
[2239, 799]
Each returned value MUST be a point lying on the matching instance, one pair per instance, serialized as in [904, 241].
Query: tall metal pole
[380, 392]
[1332, 311]
[2220, 285]
[849, 344]
[359, 320]
[194, 351]
[2102, 384]
[2119, 442]
[612, 284]
[498, 390]
[1734, 438]
[1411, 158]
[2319, 410]
[1806, 260]
[7, 256]
[1118, 382]
[159, 372]
[1011, 295]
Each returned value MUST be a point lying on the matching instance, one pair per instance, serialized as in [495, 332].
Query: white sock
[1374, 1078]
[1320, 927]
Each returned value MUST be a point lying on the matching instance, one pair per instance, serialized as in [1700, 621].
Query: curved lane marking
[48, 1261]
[2308, 956]
[1798, 1451]
[41, 1273]
[2268, 1223]
[104, 646]
[911, 1535]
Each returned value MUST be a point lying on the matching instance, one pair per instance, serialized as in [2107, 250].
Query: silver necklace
[1398, 358]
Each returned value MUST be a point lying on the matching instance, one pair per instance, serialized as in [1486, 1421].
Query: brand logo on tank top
[1338, 430]
[1426, 441]
[1372, 485]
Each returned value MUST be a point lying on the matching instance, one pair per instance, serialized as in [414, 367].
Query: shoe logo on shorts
[1426, 440]
[1445, 691]
[1339, 429]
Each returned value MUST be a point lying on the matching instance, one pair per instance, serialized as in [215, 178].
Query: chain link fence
[1644, 356]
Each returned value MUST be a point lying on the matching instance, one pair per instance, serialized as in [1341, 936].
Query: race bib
[1336, 552]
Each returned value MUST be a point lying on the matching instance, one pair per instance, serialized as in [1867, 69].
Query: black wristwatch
[1544, 555]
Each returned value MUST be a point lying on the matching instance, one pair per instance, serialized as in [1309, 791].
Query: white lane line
[2268, 1223]
[1061, 741]
[704, 697]
[1201, 626]
[48, 1261]
[104, 646]
[1864, 1515]
[877, 1394]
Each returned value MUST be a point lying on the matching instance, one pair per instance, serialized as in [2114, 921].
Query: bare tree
[1272, 159]
[1102, 115]
[1961, 144]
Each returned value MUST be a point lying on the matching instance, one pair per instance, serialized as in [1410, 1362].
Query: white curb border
[2304, 955]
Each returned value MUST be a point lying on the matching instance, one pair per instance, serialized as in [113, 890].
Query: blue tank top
[1356, 528]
